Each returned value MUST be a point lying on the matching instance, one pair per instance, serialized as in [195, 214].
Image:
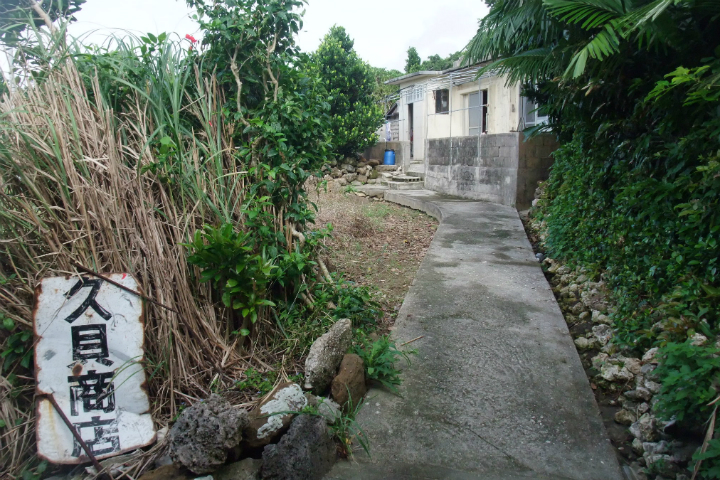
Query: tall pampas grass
[81, 183]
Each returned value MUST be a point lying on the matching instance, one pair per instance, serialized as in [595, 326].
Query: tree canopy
[351, 85]
[17, 15]
[433, 62]
[412, 64]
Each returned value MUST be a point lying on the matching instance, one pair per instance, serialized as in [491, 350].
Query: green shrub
[690, 378]
[380, 358]
[350, 84]
[356, 303]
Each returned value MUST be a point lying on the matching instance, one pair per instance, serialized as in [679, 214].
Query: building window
[415, 93]
[442, 101]
[477, 112]
[531, 113]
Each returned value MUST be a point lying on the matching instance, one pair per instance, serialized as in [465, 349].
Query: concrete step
[404, 178]
[393, 185]
[386, 168]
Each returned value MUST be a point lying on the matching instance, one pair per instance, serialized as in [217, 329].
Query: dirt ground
[375, 243]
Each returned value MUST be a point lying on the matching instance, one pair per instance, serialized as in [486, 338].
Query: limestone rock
[644, 428]
[656, 448]
[625, 417]
[167, 472]
[639, 393]
[595, 299]
[325, 356]
[637, 446]
[350, 177]
[583, 343]
[204, 434]
[329, 410]
[349, 384]
[306, 452]
[654, 387]
[373, 162]
[633, 364]
[651, 356]
[326, 407]
[577, 309]
[362, 179]
[248, 469]
[599, 360]
[698, 340]
[362, 170]
[603, 333]
[265, 427]
[348, 168]
[651, 460]
[598, 317]
[562, 270]
[615, 373]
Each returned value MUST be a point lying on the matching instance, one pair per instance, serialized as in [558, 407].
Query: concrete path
[497, 390]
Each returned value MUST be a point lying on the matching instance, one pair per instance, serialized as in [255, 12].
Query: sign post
[88, 356]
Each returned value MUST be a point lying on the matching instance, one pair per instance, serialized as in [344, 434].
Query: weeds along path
[496, 390]
[376, 244]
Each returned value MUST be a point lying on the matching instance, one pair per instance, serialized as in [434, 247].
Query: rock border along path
[497, 390]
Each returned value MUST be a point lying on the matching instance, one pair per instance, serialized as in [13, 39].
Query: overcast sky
[383, 29]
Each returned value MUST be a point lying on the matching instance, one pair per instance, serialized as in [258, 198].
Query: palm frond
[592, 13]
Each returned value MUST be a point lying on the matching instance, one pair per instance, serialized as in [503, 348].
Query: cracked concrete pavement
[497, 390]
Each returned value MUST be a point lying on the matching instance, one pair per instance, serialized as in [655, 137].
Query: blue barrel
[389, 157]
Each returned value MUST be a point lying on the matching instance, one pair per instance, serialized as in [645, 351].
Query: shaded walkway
[497, 390]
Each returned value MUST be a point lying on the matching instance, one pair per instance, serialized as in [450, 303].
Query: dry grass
[71, 191]
[376, 243]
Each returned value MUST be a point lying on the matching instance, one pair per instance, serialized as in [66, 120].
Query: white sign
[89, 345]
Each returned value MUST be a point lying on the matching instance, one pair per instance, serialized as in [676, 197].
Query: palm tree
[536, 40]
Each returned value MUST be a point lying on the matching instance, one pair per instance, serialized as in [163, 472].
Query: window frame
[438, 94]
[483, 97]
[536, 119]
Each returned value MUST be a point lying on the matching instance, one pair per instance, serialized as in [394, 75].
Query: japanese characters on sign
[88, 353]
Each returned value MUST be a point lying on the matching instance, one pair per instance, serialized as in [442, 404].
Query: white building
[462, 134]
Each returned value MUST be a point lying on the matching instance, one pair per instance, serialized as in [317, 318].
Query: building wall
[479, 167]
[503, 109]
[419, 117]
[534, 162]
[498, 168]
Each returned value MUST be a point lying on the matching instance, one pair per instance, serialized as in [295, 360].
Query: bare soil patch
[375, 243]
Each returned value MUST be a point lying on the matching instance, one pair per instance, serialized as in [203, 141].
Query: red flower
[191, 38]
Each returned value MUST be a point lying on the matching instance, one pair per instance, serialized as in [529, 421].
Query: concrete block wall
[499, 168]
[534, 162]
[480, 167]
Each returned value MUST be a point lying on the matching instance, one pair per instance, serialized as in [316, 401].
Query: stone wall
[498, 168]
[351, 171]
